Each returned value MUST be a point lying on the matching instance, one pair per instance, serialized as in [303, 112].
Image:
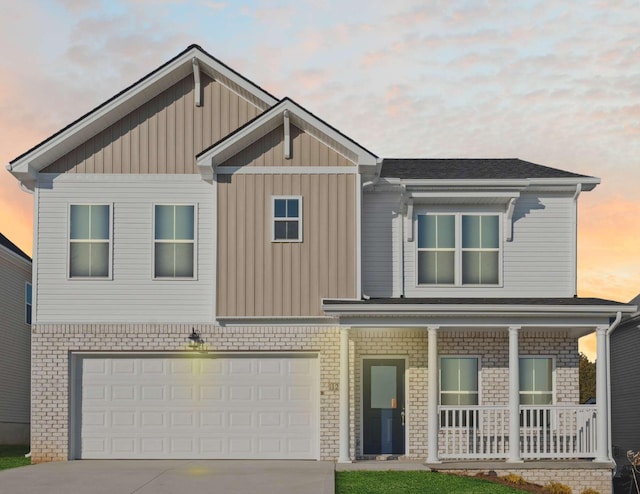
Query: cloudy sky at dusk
[556, 82]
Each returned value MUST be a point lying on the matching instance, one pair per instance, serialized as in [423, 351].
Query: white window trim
[553, 378]
[194, 242]
[110, 240]
[479, 359]
[458, 214]
[28, 306]
[274, 219]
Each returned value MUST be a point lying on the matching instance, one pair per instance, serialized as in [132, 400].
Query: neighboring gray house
[222, 274]
[15, 343]
[625, 387]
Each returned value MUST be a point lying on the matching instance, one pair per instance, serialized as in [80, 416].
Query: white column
[601, 395]
[432, 398]
[514, 396]
[343, 455]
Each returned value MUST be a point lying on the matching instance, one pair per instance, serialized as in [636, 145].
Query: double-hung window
[287, 219]
[536, 380]
[458, 249]
[458, 381]
[174, 241]
[28, 294]
[89, 240]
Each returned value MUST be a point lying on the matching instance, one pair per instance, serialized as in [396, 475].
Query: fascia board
[120, 106]
[471, 310]
[15, 257]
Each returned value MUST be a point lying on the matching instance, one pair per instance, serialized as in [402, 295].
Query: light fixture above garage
[195, 340]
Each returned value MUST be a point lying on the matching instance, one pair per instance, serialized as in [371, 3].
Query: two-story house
[15, 343]
[219, 273]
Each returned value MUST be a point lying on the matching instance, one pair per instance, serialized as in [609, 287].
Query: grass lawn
[399, 482]
[13, 456]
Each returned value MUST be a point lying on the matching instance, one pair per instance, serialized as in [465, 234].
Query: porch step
[386, 457]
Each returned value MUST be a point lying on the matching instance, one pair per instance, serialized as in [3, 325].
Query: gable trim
[253, 130]
[25, 166]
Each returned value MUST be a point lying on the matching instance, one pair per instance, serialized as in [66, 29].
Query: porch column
[343, 455]
[601, 395]
[432, 398]
[514, 396]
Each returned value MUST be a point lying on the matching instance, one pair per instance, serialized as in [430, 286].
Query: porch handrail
[546, 431]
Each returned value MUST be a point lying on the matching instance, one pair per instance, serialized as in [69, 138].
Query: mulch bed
[527, 486]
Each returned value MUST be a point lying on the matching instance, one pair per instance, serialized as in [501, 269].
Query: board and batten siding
[15, 345]
[131, 295]
[306, 150]
[258, 277]
[538, 262]
[163, 135]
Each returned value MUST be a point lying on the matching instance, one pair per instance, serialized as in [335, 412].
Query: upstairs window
[27, 299]
[287, 219]
[458, 249]
[89, 240]
[174, 241]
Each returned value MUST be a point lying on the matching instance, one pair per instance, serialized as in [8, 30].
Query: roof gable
[270, 120]
[10, 246]
[26, 166]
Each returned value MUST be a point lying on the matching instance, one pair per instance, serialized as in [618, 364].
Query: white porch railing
[482, 432]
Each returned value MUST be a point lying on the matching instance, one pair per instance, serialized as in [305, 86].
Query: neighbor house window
[458, 381]
[536, 381]
[458, 249]
[27, 297]
[287, 219]
[174, 241]
[89, 239]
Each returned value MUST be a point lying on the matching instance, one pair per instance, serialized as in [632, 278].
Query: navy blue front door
[383, 406]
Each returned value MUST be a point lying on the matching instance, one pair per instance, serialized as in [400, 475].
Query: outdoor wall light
[195, 340]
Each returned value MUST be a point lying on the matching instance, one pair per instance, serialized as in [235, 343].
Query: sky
[555, 82]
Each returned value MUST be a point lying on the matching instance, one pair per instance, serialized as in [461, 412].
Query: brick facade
[53, 344]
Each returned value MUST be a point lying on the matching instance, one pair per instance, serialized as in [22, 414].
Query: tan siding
[163, 135]
[306, 150]
[258, 277]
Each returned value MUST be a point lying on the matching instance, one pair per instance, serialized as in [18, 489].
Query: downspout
[611, 329]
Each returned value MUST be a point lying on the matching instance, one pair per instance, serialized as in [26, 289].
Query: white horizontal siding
[380, 244]
[538, 262]
[15, 340]
[131, 295]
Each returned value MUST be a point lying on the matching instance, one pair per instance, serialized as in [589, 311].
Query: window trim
[28, 304]
[553, 378]
[194, 242]
[109, 241]
[298, 218]
[478, 375]
[458, 250]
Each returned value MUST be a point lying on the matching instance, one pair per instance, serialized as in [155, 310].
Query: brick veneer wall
[578, 479]
[52, 345]
[492, 346]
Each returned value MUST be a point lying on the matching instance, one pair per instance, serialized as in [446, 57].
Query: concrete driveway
[171, 476]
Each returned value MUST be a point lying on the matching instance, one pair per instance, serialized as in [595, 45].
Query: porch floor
[412, 465]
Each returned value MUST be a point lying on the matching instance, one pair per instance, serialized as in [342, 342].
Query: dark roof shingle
[5, 242]
[469, 168]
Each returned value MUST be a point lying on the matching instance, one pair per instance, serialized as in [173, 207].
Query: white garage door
[245, 407]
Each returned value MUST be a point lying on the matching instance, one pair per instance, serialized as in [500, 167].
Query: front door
[383, 406]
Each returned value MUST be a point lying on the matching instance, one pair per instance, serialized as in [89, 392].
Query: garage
[196, 406]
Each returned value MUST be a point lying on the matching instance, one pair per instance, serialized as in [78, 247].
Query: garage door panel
[172, 407]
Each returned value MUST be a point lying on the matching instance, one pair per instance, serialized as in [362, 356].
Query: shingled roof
[5, 242]
[469, 168]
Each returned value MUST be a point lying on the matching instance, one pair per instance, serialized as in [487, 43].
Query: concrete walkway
[170, 477]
